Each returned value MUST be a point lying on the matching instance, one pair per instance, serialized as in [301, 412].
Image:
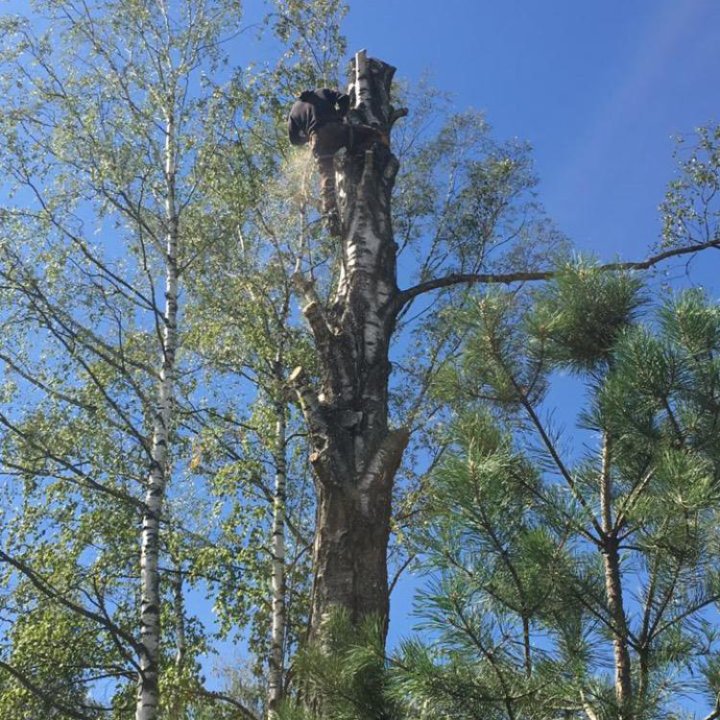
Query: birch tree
[256, 460]
[104, 135]
[125, 126]
[148, 171]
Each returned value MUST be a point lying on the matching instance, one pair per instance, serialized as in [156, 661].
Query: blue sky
[598, 88]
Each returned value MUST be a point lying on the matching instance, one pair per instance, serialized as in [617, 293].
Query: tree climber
[319, 117]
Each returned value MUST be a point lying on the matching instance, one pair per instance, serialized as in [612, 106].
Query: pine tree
[559, 555]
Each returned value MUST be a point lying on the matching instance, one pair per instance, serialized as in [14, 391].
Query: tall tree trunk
[148, 696]
[613, 590]
[277, 637]
[355, 454]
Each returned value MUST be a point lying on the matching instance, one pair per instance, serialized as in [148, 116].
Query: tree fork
[355, 454]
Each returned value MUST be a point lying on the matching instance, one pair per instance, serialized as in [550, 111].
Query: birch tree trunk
[277, 637]
[148, 696]
[355, 454]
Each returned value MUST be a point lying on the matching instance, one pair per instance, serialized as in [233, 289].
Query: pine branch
[555, 455]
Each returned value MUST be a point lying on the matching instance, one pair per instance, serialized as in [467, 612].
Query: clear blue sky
[598, 88]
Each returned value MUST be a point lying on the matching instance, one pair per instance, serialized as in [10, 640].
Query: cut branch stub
[365, 182]
[370, 92]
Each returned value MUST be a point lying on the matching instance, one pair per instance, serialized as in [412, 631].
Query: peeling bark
[355, 455]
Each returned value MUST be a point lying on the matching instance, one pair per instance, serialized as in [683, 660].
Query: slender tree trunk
[355, 454]
[613, 590]
[277, 638]
[148, 696]
[527, 646]
[177, 710]
[643, 680]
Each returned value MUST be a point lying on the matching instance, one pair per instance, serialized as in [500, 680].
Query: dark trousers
[325, 142]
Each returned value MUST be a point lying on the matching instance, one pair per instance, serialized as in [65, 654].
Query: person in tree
[319, 117]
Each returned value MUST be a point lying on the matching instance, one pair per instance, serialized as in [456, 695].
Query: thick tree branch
[382, 467]
[309, 402]
[715, 714]
[313, 310]
[405, 296]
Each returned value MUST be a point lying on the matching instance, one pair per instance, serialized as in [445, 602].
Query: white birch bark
[148, 696]
[277, 638]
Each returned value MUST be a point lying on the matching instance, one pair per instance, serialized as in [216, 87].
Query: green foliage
[344, 675]
[463, 199]
[49, 650]
[690, 211]
[312, 42]
[518, 618]
[94, 96]
[493, 367]
[579, 317]
[516, 529]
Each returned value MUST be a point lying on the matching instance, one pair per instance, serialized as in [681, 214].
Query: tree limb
[46, 696]
[405, 296]
[53, 594]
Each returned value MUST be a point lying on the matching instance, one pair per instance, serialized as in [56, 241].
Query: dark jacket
[312, 110]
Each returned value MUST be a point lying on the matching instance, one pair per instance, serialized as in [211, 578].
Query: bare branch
[245, 712]
[405, 296]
